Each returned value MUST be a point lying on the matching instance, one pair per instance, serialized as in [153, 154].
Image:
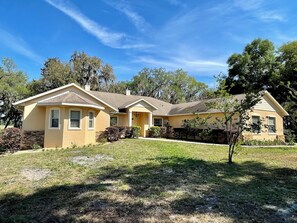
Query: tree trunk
[230, 154]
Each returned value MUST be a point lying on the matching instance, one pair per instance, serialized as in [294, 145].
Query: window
[54, 118]
[158, 122]
[91, 120]
[74, 119]
[271, 125]
[113, 121]
[256, 124]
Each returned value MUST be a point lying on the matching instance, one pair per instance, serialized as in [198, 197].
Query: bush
[254, 142]
[289, 137]
[201, 135]
[11, 139]
[155, 132]
[135, 131]
[112, 134]
[36, 146]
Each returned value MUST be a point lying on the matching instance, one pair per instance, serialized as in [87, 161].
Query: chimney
[128, 92]
[87, 87]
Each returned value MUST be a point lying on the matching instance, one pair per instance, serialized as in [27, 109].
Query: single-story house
[72, 115]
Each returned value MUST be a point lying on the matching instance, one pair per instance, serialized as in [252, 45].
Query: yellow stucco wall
[53, 137]
[122, 119]
[36, 118]
[33, 116]
[176, 122]
[264, 134]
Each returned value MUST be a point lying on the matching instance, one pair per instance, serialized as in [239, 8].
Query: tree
[13, 87]
[81, 69]
[253, 70]
[53, 74]
[183, 88]
[150, 82]
[92, 71]
[236, 115]
[171, 86]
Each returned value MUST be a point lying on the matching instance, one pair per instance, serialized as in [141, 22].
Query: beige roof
[118, 101]
[201, 106]
[163, 108]
[121, 101]
[70, 98]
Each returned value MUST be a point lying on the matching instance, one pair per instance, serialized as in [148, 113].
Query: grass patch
[150, 181]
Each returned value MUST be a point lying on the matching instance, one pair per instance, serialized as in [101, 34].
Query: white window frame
[271, 116]
[158, 118]
[114, 116]
[257, 115]
[50, 119]
[80, 119]
[94, 118]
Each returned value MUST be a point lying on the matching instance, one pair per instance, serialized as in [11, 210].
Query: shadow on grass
[165, 186]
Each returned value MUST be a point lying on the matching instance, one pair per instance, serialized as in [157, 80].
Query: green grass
[151, 181]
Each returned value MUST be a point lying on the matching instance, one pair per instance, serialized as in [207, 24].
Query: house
[72, 115]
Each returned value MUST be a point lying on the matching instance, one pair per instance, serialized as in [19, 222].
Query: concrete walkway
[182, 141]
[214, 144]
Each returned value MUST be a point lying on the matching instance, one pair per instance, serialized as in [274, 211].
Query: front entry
[141, 119]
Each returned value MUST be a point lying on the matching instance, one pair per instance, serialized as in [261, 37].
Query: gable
[268, 103]
[264, 105]
[62, 90]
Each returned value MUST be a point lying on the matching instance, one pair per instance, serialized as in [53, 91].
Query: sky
[195, 35]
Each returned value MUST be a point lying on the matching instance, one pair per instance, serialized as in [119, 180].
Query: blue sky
[195, 35]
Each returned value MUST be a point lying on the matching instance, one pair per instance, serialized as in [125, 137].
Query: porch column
[129, 118]
[150, 119]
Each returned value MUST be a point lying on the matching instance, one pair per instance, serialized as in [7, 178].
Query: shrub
[112, 134]
[155, 132]
[135, 131]
[36, 146]
[11, 139]
[202, 135]
[254, 142]
[289, 137]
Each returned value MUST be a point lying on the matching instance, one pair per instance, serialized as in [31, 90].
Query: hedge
[203, 135]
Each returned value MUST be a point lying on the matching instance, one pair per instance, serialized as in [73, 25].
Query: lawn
[149, 181]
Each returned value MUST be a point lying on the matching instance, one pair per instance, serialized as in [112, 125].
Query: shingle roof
[164, 108]
[68, 97]
[121, 100]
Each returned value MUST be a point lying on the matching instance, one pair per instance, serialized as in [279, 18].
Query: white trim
[275, 102]
[61, 88]
[139, 100]
[72, 104]
[43, 94]
[157, 118]
[130, 122]
[94, 121]
[80, 119]
[50, 119]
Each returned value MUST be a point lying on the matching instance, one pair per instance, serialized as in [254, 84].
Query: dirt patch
[90, 160]
[35, 174]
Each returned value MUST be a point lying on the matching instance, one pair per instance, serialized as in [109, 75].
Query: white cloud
[268, 16]
[192, 65]
[105, 36]
[137, 20]
[18, 45]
